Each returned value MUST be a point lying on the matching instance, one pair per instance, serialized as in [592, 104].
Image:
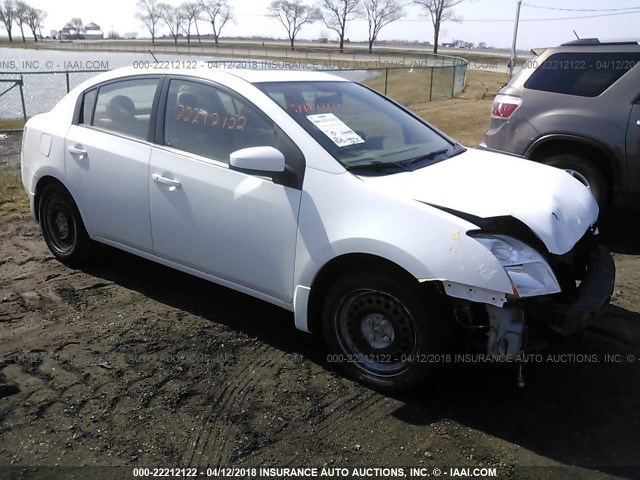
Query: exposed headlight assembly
[530, 274]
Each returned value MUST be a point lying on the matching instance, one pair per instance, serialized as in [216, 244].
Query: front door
[205, 216]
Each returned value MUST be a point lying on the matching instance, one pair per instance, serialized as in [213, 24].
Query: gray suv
[577, 107]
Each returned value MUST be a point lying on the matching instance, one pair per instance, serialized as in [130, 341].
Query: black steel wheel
[381, 332]
[62, 226]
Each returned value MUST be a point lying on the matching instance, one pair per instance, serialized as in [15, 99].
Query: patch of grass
[410, 86]
[465, 117]
[13, 199]
[11, 123]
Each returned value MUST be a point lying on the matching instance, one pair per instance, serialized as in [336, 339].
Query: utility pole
[512, 62]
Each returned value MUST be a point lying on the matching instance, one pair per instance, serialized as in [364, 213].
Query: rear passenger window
[125, 107]
[581, 74]
[88, 103]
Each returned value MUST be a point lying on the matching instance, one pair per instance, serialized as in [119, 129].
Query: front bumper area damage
[574, 312]
[506, 331]
[587, 275]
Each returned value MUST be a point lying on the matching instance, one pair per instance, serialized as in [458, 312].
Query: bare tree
[76, 23]
[21, 16]
[336, 14]
[439, 11]
[34, 19]
[8, 16]
[192, 12]
[293, 15]
[219, 13]
[379, 14]
[149, 16]
[173, 17]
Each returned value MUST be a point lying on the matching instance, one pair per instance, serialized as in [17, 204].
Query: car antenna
[577, 36]
[154, 57]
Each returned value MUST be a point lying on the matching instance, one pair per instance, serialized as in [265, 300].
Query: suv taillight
[504, 106]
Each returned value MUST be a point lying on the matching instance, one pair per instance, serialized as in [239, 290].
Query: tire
[584, 171]
[381, 332]
[62, 226]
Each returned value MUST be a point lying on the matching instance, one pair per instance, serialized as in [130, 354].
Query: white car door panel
[238, 227]
[110, 182]
[107, 161]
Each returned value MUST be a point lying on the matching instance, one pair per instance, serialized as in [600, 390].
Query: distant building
[90, 31]
[68, 32]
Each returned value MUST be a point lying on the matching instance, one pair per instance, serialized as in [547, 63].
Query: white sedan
[326, 198]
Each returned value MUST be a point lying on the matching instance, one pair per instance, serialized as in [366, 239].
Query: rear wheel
[380, 331]
[585, 172]
[62, 226]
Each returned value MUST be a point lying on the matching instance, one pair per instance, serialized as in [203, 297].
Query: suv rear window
[582, 74]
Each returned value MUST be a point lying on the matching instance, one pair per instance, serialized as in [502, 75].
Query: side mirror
[257, 160]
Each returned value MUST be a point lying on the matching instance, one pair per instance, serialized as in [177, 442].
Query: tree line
[19, 13]
[291, 14]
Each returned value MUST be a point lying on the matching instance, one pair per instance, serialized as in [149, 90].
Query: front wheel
[62, 227]
[381, 332]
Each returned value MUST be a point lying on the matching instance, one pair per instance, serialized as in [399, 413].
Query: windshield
[361, 129]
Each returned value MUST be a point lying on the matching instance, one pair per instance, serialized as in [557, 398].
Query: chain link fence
[407, 77]
[25, 94]
[417, 84]
[254, 49]
[12, 102]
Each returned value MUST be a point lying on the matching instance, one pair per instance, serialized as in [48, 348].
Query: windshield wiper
[376, 166]
[427, 157]
[403, 165]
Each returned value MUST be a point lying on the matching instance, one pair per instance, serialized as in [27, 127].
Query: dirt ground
[127, 363]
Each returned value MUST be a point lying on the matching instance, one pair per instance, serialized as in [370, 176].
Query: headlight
[530, 274]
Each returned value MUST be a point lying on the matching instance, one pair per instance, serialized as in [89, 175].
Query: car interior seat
[121, 111]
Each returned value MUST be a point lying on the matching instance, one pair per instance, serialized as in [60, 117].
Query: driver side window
[213, 123]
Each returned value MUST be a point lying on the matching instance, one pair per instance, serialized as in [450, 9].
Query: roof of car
[218, 70]
[591, 42]
[262, 76]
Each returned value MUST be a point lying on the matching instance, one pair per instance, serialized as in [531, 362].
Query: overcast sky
[489, 21]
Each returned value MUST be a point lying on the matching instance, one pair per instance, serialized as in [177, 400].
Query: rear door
[107, 161]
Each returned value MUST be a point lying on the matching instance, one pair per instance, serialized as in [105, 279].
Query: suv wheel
[381, 331]
[584, 171]
[62, 226]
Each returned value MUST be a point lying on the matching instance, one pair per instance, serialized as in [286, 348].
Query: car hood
[554, 205]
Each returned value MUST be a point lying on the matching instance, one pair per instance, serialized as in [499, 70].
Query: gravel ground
[127, 363]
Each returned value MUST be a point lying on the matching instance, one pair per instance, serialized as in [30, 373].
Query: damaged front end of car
[553, 294]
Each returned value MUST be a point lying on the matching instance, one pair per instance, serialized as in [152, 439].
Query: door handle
[77, 151]
[173, 184]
